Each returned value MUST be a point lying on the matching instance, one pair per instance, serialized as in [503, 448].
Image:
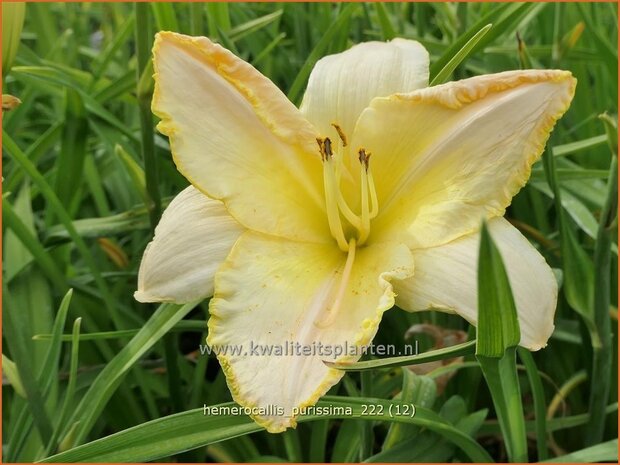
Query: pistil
[332, 311]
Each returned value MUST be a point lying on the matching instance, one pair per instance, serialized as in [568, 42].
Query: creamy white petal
[272, 294]
[446, 280]
[446, 156]
[342, 85]
[194, 236]
[237, 138]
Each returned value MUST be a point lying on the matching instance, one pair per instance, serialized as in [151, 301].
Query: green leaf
[501, 377]
[498, 327]
[460, 56]
[120, 223]
[103, 59]
[267, 459]
[181, 326]
[576, 265]
[366, 433]
[318, 50]
[135, 171]
[579, 146]
[318, 441]
[347, 443]
[525, 60]
[384, 20]
[147, 136]
[611, 131]
[572, 173]
[439, 354]
[59, 210]
[217, 18]
[70, 391]
[265, 52]
[15, 328]
[501, 16]
[605, 452]
[424, 448]
[49, 75]
[36, 150]
[46, 377]
[116, 88]
[420, 391]
[12, 23]
[70, 163]
[538, 393]
[97, 396]
[497, 337]
[555, 424]
[253, 25]
[292, 445]
[9, 369]
[165, 17]
[73, 79]
[602, 336]
[604, 47]
[188, 430]
[579, 213]
[429, 447]
[21, 244]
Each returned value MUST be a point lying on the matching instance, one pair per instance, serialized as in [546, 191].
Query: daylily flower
[306, 225]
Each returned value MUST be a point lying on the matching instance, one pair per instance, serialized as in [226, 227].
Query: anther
[364, 158]
[327, 147]
[341, 134]
[320, 142]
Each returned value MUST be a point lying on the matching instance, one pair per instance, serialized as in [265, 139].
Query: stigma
[347, 227]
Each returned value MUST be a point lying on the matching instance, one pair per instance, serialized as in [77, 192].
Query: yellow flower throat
[347, 228]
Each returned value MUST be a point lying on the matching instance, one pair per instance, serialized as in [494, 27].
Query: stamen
[343, 172]
[327, 146]
[341, 134]
[373, 195]
[337, 208]
[333, 310]
[364, 158]
[367, 187]
[365, 230]
[331, 195]
[347, 212]
[321, 147]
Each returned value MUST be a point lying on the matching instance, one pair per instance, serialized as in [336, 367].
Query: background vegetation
[80, 188]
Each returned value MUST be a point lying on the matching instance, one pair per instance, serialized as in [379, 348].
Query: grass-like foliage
[89, 374]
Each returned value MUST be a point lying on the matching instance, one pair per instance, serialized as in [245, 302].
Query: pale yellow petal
[446, 156]
[237, 138]
[272, 293]
[194, 236]
[446, 280]
[342, 85]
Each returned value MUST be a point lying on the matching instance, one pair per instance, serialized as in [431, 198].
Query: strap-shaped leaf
[191, 429]
[498, 327]
[497, 337]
